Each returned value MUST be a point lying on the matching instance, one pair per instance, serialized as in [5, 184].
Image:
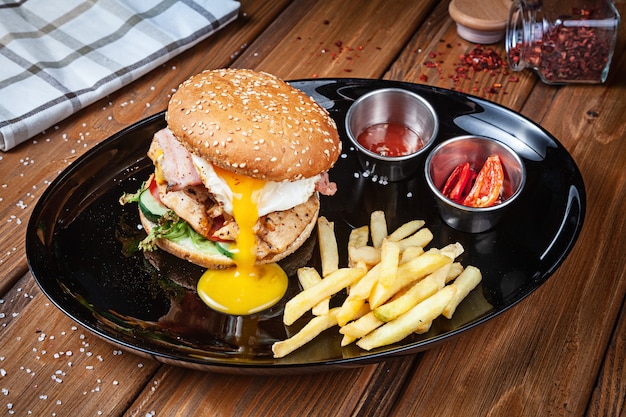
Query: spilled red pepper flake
[481, 59]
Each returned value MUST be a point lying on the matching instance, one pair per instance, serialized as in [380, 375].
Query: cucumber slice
[226, 248]
[153, 210]
[223, 248]
[150, 207]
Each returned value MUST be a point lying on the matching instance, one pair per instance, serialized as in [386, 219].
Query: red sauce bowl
[391, 128]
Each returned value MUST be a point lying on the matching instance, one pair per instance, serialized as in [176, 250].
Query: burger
[242, 151]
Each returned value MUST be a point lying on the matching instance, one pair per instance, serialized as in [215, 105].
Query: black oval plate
[78, 235]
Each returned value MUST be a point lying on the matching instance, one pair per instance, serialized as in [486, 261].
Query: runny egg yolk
[247, 288]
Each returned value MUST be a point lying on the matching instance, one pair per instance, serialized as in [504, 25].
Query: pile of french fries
[395, 287]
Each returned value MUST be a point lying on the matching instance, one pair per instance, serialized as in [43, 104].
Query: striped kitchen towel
[57, 57]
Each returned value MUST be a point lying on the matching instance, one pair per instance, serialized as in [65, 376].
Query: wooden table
[561, 351]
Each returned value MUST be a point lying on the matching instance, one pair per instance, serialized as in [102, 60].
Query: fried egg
[271, 196]
[247, 288]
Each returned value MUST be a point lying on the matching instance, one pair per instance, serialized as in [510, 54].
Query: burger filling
[198, 200]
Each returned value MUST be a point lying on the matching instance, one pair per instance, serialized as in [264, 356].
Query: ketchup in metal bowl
[391, 129]
[390, 139]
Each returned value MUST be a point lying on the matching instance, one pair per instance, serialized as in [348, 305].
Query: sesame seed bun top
[254, 124]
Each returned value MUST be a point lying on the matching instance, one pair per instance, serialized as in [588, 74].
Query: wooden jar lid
[480, 21]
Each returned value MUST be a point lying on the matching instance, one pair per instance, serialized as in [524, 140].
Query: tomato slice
[154, 189]
[456, 187]
[218, 223]
[487, 188]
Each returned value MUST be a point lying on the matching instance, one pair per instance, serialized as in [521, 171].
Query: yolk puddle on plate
[247, 288]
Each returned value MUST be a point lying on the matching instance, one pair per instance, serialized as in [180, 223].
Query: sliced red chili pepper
[457, 182]
[468, 185]
[488, 185]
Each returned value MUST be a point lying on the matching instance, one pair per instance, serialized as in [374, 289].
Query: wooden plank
[594, 130]
[51, 366]
[335, 39]
[27, 170]
[609, 394]
[385, 387]
[182, 392]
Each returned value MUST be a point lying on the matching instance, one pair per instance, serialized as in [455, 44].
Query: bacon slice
[176, 164]
[325, 186]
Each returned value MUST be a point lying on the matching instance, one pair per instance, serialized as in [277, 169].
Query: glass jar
[564, 41]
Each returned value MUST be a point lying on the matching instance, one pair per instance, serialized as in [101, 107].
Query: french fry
[378, 228]
[423, 328]
[358, 237]
[333, 283]
[363, 287]
[362, 310]
[346, 340]
[361, 326]
[408, 273]
[453, 250]
[414, 295]
[308, 277]
[420, 238]
[311, 330]
[368, 254]
[406, 230]
[409, 322]
[321, 308]
[389, 258]
[455, 270]
[349, 310]
[410, 253]
[466, 282]
[329, 253]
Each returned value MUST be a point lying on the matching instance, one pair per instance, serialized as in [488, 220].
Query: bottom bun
[299, 222]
